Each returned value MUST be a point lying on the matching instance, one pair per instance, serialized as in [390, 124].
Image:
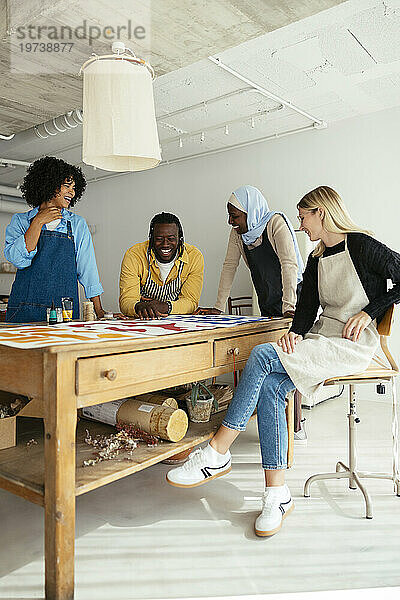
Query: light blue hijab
[252, 202]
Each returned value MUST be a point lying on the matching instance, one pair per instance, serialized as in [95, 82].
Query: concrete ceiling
[39, 83]
[339, 63]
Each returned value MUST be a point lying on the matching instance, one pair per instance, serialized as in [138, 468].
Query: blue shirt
[15, 248]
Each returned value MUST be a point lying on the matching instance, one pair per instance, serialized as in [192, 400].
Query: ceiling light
[180, 142]
[252, 123]
[226, 129]
[119, 123]
[202, 137]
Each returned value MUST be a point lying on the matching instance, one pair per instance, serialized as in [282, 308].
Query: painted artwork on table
[38, 336]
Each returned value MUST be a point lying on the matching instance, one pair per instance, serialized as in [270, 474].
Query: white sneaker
[300, 436]
[277, 503]
[202, 466]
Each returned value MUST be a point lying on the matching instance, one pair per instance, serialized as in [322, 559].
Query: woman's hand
[356, 325]
[288, 314]
[207, 311]
[121, 317]
[288, 341]
[46, 215]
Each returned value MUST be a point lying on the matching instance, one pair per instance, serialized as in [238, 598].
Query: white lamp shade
[119, 123]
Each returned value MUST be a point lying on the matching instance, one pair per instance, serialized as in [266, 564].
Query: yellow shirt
[134, 271]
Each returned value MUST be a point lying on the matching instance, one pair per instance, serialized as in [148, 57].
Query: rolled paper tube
[163, 421]
[157, 398]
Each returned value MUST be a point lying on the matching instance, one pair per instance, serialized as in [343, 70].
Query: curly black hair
[167, 218]
[44, 178]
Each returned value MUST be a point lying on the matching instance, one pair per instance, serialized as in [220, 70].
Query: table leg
[59, 450]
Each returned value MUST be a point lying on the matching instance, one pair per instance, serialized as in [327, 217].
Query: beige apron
[323, 353]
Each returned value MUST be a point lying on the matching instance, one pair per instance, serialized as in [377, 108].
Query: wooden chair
[235, 305]
[380, 370]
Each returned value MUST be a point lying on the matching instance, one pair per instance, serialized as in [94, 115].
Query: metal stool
[377, 372]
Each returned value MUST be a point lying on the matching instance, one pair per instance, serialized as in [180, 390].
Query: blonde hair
[336, 218]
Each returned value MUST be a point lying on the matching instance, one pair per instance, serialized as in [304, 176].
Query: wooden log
[163, 421]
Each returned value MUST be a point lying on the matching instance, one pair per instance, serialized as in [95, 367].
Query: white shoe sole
[191, 485]
[300, 442]
[273, 531]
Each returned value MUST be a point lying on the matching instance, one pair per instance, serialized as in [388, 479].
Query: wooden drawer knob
[111, 374]
[234, 351]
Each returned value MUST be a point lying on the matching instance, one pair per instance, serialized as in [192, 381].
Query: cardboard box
[8, 424]
[7, 432]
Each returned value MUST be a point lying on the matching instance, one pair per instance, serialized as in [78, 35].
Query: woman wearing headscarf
[267, 242]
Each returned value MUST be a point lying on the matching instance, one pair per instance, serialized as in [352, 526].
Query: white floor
[141, 538]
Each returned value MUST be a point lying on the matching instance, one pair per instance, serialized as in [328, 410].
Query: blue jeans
[264, 384]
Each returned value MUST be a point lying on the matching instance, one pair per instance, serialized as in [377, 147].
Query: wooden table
[62, 379]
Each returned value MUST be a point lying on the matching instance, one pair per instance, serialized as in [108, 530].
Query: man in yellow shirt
[163, 275]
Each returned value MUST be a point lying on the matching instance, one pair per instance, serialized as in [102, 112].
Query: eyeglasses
[300, 218]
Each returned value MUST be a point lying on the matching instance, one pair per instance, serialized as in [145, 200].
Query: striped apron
[168, 291]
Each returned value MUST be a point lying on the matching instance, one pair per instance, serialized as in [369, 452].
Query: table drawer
[118, 370]
[241, 346]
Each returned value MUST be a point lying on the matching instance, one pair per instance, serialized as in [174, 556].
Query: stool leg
[395, 439]
[319, 477]
[352, 436]
[368, 506]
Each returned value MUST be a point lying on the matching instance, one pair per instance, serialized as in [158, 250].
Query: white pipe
[10, 191]
[274, 136]
[13, 199]
[10, 207]
[189, 134]
[7, 137]
[59, 124]
[264, 92]
[11, 161]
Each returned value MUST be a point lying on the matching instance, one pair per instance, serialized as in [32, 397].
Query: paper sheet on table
[32, 336]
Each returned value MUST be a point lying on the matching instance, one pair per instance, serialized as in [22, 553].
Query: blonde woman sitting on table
[346, 275]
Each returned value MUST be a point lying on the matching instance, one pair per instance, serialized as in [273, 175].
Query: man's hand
[121, 317]
[288, 341]
[151, 309]
[355, 326]
[207, 311]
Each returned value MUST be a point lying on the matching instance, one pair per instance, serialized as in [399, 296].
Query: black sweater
[375, 263]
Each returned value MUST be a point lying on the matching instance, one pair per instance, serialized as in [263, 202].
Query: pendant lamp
[119, 122]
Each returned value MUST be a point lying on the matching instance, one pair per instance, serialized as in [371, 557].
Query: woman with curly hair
[51, 247]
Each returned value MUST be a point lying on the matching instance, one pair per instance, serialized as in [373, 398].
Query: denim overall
[51, 276]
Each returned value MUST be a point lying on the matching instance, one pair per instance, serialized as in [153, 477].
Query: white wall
[358, 157]
[5, 218]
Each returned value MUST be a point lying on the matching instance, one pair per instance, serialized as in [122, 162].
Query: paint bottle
[67, 304]
[53, 314]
